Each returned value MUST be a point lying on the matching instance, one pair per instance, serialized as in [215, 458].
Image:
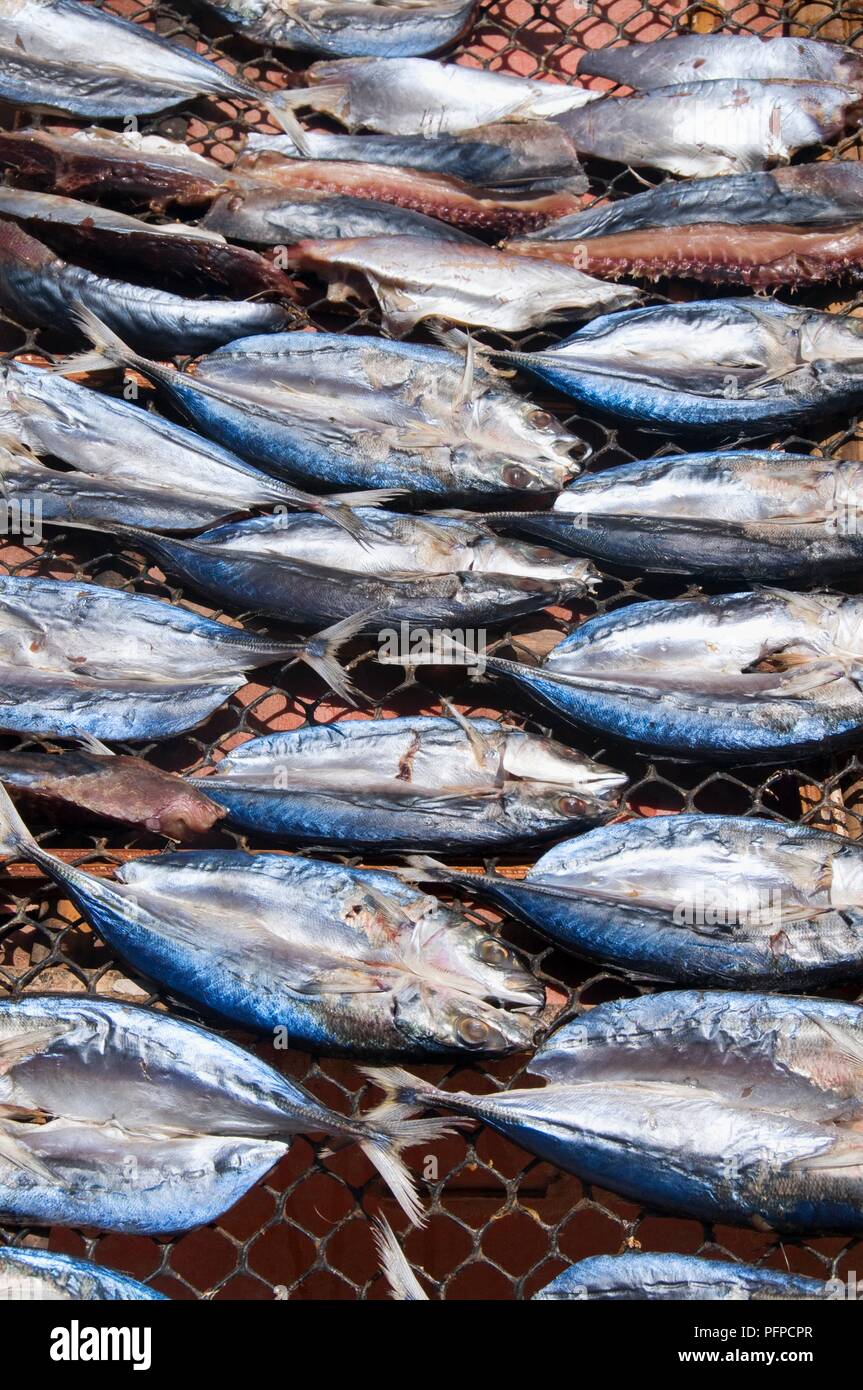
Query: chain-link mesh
[501, 1224]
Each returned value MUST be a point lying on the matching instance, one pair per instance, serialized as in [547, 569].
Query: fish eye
[473, 1032]
[570, 806]
[516, 476]
[493, 953]
[542, 419]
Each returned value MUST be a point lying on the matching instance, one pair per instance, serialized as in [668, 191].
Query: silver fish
[762, 514]
[724, 127]
[129, 1120]
[718, 1106]
[350, 28]
[80, 659]
[132, 465]
[408, 783]
[58, 55]
[343, 410]
[697, 899]
[708, 57]
[45, 1276]
[749, 365]
[413, 279]
[750, 676]
[416, 96]
[273, 216]
[37, 287]
[246, 566]
[344, 960]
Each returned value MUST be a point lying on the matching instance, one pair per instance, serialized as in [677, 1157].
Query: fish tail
[321, 653]
[281, 108]
[422, 868]
[15, 838]
[372, 497]
[403, 1283]
[391, 1128]
[109, 347]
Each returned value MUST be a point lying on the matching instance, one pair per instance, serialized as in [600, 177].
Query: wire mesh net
[501, 1224]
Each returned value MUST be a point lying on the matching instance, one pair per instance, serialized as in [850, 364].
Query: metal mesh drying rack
[501, 1224]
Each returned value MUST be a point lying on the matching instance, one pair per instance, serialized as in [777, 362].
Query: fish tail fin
[422, 868]
[342, 515]
[110, 350]
[15, 838]
[321, 653]
[391, 1127]
[403, 1283]
[404, 1093]
[371, 497]
[281, 107]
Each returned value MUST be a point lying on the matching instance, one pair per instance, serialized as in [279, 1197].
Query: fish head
[440, 1020]
[560, 773]
[465, 989]
[496, 555]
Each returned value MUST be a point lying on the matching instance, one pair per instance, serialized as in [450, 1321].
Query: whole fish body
[723, 127]
[718, 1106]
[174, 253]
[37, 287]
[667, 1277]
[273, 215]
[712, 57]
[351, 28]
[752, 677]
[416, 96]
[412, 782]
[535, 155]
[442, 198]
[246, 567]
[343, 960]
[124, 789]
[58, 55]
[413, 279]
[749, 365]
[93, 161]
[794, 225]
[79, 659]
[129, 1120]
[45, 1276]
[340, 410]
[139, 467]
[697, 899]
[762, 515]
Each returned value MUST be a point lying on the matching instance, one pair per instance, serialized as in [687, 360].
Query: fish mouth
[513, 1032]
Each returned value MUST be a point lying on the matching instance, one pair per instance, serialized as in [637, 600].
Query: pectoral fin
[20, 1047]
[13, 1151]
